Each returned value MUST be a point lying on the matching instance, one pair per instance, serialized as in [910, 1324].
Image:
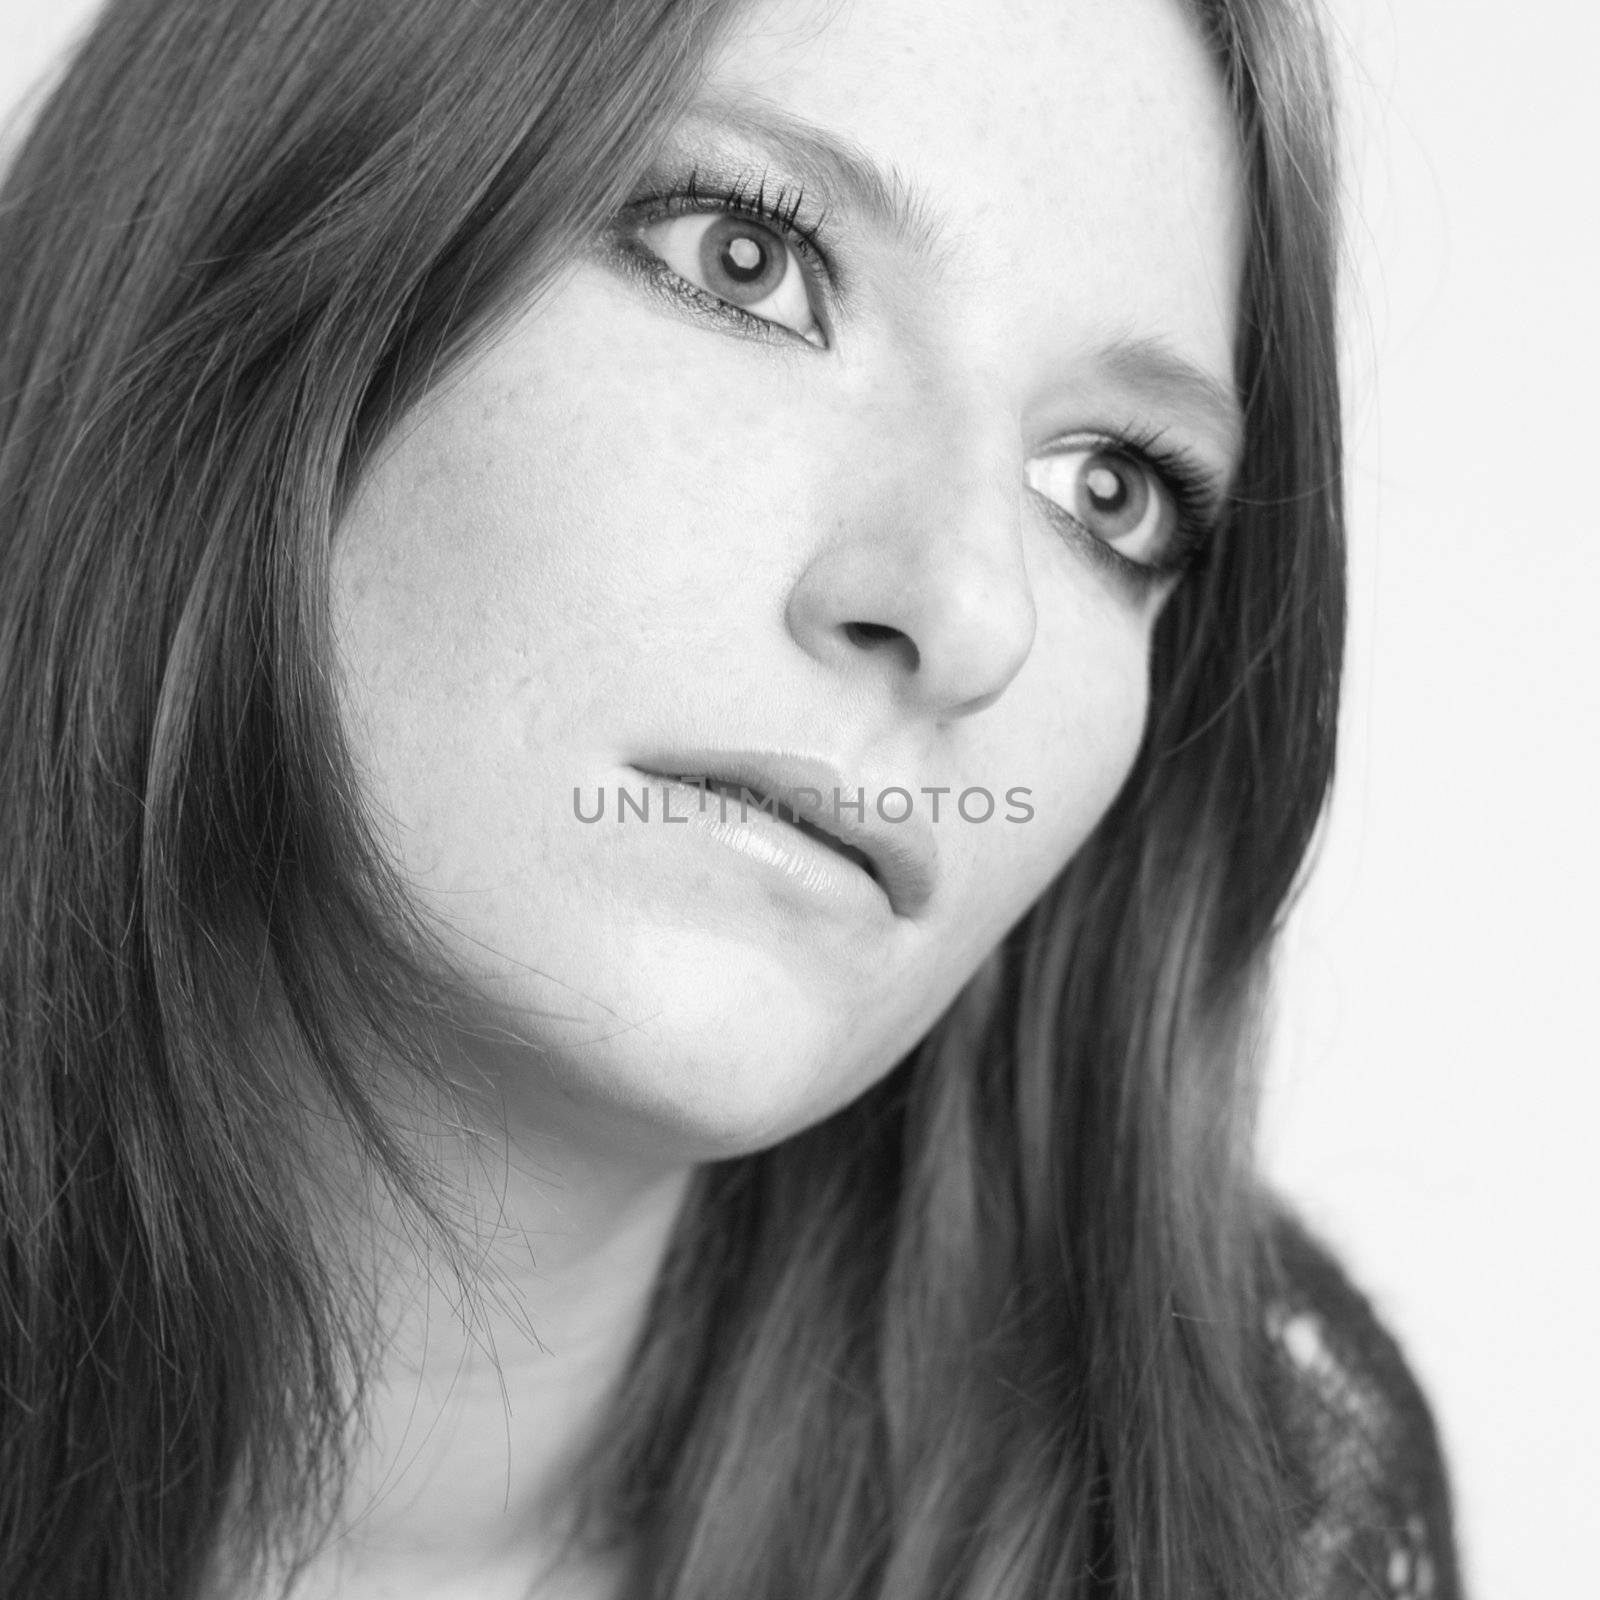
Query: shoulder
[1369, 1486]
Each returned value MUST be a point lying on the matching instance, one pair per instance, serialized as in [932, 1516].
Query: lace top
[1369, 1481]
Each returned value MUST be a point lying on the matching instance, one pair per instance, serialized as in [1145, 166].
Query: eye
[739, 261]
[1111, 494]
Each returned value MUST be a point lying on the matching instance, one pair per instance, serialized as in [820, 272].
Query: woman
[434, 436]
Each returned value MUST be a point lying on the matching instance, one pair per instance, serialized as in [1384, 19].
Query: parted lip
[902, 856]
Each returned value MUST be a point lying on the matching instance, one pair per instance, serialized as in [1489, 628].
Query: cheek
[1077, 715]
[1051, 755]
[508, 561]
[556, 496]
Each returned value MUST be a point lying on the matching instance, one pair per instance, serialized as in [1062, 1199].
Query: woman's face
[852, 458]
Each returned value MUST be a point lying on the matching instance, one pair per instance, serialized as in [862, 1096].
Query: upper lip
[903, 854]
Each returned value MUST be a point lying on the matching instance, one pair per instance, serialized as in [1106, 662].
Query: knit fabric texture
[1370, 1487]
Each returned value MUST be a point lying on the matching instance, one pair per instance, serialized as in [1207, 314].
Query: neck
[478, 1409]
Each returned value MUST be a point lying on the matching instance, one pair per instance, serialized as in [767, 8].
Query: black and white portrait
[794, 800]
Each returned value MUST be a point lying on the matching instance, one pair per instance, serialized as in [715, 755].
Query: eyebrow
[836, 165]
[1149, 370]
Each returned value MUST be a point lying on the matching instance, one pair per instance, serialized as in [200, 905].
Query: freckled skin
[620, 529]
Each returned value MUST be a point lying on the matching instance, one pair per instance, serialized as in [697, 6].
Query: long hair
[995, 1330]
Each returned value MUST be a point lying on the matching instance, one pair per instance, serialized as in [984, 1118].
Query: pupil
[1106, 488]
[743, 259]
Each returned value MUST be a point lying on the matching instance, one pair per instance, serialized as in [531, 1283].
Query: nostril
[878, 636]
[869, 634]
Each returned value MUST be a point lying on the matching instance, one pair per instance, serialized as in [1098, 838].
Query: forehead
[1070, 166]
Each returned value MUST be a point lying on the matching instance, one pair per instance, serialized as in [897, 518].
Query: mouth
[897, 855]
[749, 798]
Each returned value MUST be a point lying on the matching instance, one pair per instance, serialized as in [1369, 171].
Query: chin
[702, 1051]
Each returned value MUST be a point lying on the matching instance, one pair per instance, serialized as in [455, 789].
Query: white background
[1434, 1111]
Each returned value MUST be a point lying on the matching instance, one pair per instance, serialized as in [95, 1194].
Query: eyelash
[1183, 476]
[778, 210]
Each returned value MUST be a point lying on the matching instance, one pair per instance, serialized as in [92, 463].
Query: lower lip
[802, 862]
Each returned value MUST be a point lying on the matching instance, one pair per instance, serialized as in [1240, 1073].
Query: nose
[920, 578]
